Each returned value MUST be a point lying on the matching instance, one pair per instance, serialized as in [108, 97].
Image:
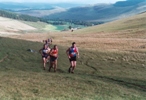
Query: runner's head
[45, 46]
[73, 44]
[46, 41]
[55, 47]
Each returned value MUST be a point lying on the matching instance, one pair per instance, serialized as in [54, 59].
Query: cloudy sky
[71, 1]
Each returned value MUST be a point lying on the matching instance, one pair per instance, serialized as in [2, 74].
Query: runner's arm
[40, 51]
[77, 52]
[57, 53]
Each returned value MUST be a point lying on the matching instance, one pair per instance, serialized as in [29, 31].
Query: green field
[98, 76]
[43, 27]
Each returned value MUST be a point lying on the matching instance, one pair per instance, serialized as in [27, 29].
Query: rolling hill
[78, 12]
[13, 27]
[121, 35]
[135, 23]
[36, 9]
[98, 13]
[103, 12]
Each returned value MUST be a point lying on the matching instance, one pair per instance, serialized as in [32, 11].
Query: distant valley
[65, 15]
[79, 12]
[103, 12]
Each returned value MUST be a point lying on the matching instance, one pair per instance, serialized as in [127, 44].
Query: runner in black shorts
[72, 54]
[53, 58]
[73, 59]
[45, 54]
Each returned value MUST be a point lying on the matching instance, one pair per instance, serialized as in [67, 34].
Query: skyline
[65, 1]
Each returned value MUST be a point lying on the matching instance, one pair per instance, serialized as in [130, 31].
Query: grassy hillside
[121, 35]
[98, 76]
[134, 23]
[111, 66]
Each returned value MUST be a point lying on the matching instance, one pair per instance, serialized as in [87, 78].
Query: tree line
[23, 17]
[65, 21]
[58, 21]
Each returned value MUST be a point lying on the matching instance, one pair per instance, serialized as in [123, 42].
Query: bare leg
[69, 70]
[44, 63]
[51, 65]
[48, 58]
[55, 65]
[74, 66]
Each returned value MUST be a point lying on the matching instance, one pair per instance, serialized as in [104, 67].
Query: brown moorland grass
[121, 35]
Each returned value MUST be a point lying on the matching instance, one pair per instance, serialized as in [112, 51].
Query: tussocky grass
[100, 75]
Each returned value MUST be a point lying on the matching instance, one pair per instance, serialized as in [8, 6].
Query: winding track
[4, 58]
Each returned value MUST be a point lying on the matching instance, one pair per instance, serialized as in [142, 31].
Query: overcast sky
[72, 1]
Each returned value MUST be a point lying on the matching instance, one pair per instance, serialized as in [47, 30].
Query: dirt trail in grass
[4, 58]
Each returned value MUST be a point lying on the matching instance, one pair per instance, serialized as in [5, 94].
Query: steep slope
[135, 23]
[98, 75]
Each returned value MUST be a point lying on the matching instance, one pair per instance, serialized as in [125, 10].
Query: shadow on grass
[127, 82]
[137, 84]
[60, 70]
[87, 64]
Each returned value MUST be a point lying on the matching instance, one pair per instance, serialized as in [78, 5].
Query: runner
[53, 58]
[47, 43]
[45, 54]
[72, 53]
